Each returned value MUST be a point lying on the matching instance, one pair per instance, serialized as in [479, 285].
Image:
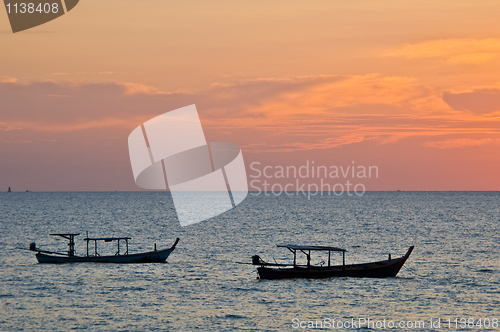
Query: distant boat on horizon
[9, 191]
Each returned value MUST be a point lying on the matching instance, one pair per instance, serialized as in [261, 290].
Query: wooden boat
[380, 269]
[49, 257]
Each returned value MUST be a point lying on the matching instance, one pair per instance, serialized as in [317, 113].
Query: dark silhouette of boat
[380, 269]
[50, 257]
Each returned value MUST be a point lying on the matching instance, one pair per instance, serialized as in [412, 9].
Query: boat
[50, 257]
[379, 269]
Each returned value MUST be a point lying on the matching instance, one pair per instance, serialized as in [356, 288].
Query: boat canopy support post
[308, 256]
[71, 241]
[306, 250]
[108, 239]
[294, 252]
[71, 244]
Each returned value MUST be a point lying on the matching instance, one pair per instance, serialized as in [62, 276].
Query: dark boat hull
[147, 257]
[381, 269]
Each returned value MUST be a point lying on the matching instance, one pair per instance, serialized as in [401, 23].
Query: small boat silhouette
[51, 257]
[380, 269]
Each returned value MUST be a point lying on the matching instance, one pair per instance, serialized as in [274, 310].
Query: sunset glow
[380, 83]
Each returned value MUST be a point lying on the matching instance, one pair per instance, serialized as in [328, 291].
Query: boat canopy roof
[294, 247]
[64, 234]
[106, 239]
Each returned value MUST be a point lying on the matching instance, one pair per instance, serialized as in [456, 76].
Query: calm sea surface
[453, 273]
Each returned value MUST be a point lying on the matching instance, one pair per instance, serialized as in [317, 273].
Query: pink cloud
[454, 51]
[73, 136]
[462, 142]
[296, 113]
[480, 101]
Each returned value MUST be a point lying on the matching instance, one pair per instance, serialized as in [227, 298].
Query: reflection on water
[454, 271]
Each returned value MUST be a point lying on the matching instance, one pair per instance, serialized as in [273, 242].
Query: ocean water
[453, 273]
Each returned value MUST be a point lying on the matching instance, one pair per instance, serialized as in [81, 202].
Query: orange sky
[411, 87]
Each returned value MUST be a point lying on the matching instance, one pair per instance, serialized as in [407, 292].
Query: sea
[450, 282]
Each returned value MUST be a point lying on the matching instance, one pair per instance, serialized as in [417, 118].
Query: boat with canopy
[155, 256]
[379, 269]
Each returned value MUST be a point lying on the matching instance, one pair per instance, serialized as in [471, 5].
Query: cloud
[452, 51]
[462, 142]
[67, 103]
[278, 114]
[325, 143]
[6, 127]
[396, 91]
[480, 101]
[58, 106]
[8, 79]
[472, 58]
[63, 135]
[86, 73]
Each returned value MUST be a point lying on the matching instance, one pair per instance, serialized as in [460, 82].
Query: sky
[411, 87]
